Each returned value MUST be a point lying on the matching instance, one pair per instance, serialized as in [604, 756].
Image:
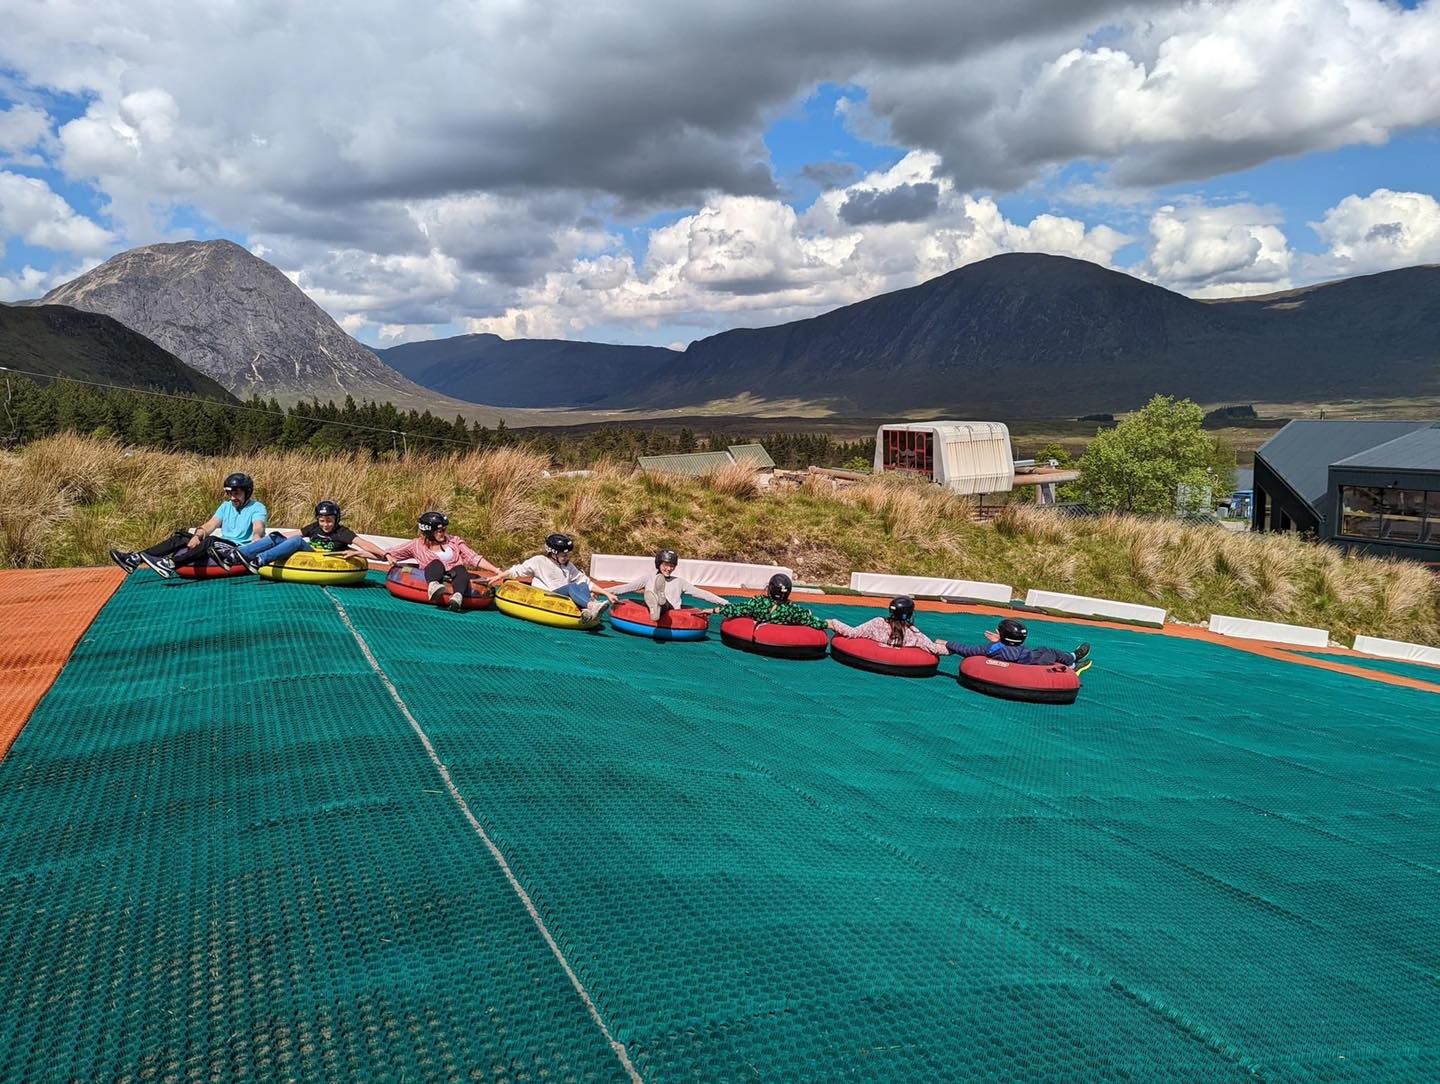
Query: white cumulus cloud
[1223, 251]
[31, 211]
[1378, 232]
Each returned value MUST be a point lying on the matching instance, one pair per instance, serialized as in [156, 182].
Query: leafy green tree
[1137, 466]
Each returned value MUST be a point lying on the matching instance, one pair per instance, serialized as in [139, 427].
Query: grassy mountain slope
[60, 341]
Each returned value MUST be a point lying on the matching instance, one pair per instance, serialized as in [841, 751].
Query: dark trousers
[1048, 656]
[458, 577]
[177, 548]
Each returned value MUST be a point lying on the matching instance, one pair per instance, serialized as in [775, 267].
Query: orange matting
[44, 612]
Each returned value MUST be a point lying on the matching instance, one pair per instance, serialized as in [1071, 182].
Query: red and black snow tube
[881, 658]
[209, 570]
[780, 641]
[408, 582]
[683, 624]
[1014, 681]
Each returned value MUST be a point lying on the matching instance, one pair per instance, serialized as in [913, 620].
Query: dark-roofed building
[1365, 485]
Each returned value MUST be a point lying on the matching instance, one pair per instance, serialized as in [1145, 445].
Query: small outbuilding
[968, 457]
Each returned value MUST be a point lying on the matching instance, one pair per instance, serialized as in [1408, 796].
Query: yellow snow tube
[314, 567]
[533, 604]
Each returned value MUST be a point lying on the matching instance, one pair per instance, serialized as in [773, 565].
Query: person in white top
[665, 590]
[553, 572]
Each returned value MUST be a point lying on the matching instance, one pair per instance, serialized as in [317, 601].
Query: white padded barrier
[877, 583]
[1084, 606]
[1245, 628]
[1397, 649]
[622, 569]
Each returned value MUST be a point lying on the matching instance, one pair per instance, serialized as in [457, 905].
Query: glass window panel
[1404, 513]
[1432, 516]
[1361, 511]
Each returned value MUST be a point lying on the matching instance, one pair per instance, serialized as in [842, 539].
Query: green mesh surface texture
[225, 854]
[1418, 670]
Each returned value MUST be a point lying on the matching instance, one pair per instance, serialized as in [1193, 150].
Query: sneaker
[1080, 668]
[457, 601]
[252, 563]
[163, 566]
[225, 554]
[1081, 652]
[128, 561]
[434, 589]
[591, 612]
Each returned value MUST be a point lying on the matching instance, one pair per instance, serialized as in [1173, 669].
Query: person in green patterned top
[773, 607]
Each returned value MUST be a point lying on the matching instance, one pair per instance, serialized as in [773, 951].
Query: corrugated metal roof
[1302, 452]
[754, 454]
[1419, 450]
[692, 464]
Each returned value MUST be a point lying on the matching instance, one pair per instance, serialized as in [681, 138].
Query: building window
[1360, 515]
[910, 451]
[1394, 515]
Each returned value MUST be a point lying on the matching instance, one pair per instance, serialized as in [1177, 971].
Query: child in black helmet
[443, 558]
[553, 571]
[325, 535]
[773, 607]
[1007, 643]
[665, 590]
[239, 519]
[896, 628]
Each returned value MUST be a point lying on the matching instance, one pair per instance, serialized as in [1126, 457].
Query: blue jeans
[273, 547]
[578, 593]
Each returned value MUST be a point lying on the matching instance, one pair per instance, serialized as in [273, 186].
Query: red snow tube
[408, 582]
[209, 570]
[1014, 681]
[634, 618]
[781, 641]
[881, 658]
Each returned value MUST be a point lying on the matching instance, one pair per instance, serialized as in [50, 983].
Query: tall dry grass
[66, 500]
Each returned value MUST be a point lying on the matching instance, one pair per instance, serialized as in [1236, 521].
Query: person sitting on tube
[773, 607]
[1007, 643]
[665, 590]
[896, 628]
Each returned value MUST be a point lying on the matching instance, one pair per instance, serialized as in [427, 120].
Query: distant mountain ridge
[241, 321]
[1017, 335]
[529, 372]
[57, 340]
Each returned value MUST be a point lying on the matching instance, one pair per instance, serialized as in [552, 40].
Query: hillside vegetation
[66, 500]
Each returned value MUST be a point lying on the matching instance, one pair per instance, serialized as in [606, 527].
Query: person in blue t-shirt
[239, 519]
[1007, 643]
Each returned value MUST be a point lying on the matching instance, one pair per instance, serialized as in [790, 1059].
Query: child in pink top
[442, 557]
[896, 629]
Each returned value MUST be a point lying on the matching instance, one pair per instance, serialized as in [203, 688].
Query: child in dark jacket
[1007, 643]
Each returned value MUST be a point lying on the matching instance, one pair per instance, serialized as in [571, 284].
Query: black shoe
[252, 564]
[128, 561]
[224, 554]
[1081, 652]
[163, 566]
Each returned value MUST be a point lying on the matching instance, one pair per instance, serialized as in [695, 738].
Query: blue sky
[733, 166]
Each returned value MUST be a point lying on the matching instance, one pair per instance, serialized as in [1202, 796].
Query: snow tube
[634, 618]
[408, 582]
[209, 570]
[315, 567]
[781, 641]
[1013, 681]
[882, 658]
[519, 599]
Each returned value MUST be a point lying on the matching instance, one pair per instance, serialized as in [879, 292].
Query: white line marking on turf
[495, 852]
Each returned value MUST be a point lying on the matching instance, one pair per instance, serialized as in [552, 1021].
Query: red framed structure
[911, 451]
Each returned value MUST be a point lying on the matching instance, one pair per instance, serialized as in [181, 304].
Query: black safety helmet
[902, 609]
[241, 482]
[1012, 632]
[328, 508]
[666, 557]
[559, 543]
[779, 587]
[431, 521]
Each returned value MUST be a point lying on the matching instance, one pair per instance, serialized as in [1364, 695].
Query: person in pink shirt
[443, 558]
[897, 629]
